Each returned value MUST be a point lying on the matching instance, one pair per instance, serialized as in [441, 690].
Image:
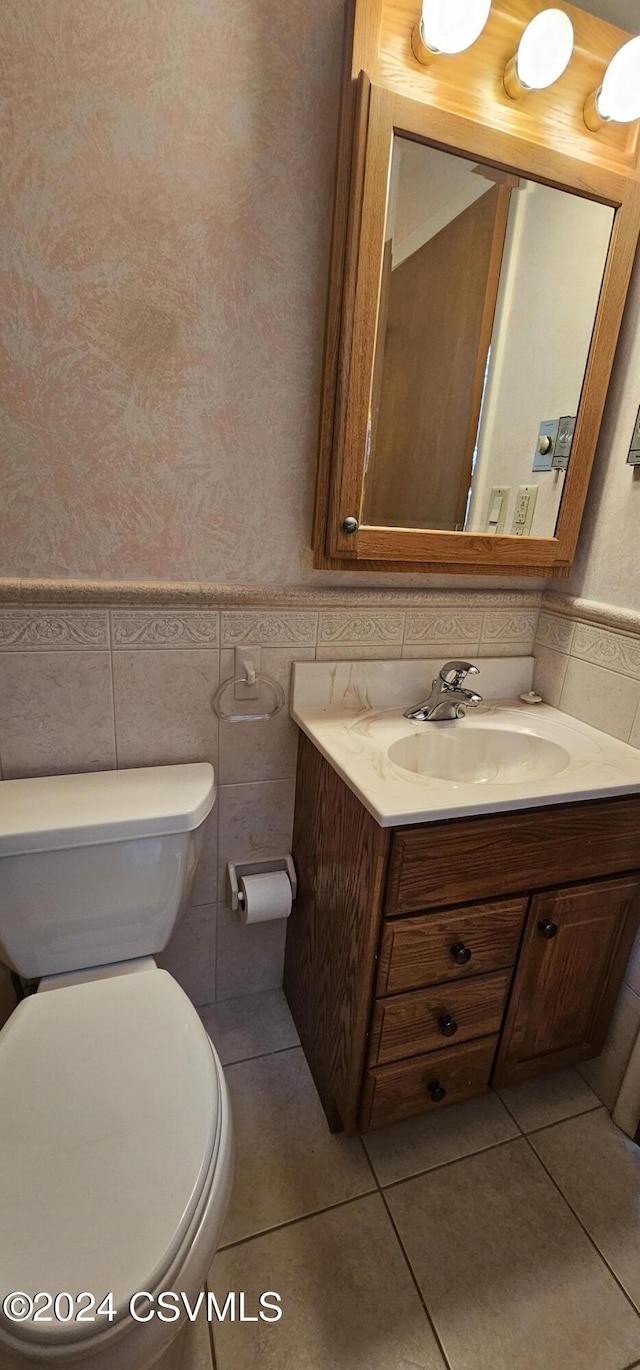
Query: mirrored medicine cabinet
[478, 282]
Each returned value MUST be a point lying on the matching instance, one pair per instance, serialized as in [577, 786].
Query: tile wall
[90, 689]
[591, 672]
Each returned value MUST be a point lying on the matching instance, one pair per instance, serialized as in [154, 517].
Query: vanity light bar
[448, 27]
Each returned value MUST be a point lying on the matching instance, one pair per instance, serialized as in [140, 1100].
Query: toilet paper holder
[236, 869]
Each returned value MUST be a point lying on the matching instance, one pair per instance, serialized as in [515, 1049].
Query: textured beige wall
[625, 13]
[169, 167]
[163, 271]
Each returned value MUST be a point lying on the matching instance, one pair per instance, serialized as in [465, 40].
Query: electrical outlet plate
[525, 505]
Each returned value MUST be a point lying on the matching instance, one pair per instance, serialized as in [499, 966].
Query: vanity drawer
[444, 1015]
[497, 854]
[399, 1091]
[419, 951]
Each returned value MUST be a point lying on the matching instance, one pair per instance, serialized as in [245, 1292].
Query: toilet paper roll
[265, 897]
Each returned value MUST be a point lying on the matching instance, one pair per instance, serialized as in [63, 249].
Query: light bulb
[448, 26]
[618, 98]
[543, 54]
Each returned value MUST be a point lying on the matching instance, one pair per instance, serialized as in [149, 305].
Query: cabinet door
[574, 953]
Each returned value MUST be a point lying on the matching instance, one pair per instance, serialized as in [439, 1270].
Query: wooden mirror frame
[378, 112]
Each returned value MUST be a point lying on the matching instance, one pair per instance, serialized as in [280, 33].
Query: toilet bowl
[116, 1141]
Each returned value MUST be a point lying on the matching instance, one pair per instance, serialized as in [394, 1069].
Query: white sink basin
[504, 755]
[478, 755]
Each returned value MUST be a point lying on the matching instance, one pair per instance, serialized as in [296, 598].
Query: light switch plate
[497, 511]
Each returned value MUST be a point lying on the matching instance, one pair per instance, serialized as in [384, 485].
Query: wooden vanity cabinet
[428, 964]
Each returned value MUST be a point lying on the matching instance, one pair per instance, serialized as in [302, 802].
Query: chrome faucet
[447, 699]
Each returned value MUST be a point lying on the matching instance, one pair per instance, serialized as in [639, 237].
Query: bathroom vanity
[429, 961]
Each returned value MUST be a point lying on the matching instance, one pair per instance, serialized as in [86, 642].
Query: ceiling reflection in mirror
[489, 292]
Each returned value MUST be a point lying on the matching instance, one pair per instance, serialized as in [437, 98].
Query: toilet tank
[97, 868]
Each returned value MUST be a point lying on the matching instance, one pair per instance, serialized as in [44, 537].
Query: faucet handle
[454, 672]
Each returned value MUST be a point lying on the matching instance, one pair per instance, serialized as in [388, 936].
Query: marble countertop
[353, 713]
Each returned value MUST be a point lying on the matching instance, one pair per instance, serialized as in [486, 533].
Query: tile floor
[501, 1234]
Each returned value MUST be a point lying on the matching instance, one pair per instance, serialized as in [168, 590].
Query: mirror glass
[488, 297]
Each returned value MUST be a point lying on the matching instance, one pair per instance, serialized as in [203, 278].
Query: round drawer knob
[447, 1025]
[547, 928]
[436, 1091]
[460, 953]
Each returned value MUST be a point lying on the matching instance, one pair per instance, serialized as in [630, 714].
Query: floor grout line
[585, 1229]
[512, 1116]
[293, 1222]
[280, 1051]
[261, 1056]
[547, 1127]
[445, 1165]
[252, 994]
[409, 1266]
[436, 1335]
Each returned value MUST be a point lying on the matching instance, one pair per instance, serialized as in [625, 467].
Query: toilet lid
[108, 1131]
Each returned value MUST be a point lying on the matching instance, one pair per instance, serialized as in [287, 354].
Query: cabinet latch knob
[547, 928]
[436, 1091]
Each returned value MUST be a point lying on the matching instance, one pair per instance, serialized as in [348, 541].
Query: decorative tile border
[269, 629]
[360, 629]
[447, 625]
[21, 630]
[614, 651]
[555, 632]
[506, 626]
[164, 628]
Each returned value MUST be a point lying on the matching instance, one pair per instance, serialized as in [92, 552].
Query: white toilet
[116, 1142]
